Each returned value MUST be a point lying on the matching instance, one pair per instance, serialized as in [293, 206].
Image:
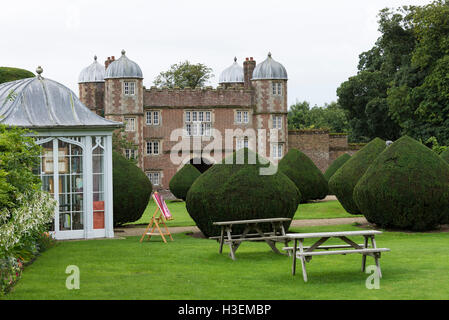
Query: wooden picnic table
[234, 240]
[305, 254]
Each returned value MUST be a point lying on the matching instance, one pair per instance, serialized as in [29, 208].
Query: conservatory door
[98, 183]
[62, 174]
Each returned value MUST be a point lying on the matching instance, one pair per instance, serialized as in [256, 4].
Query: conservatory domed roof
[92, 73]
[123, 68]
[232, 74]
[38, 102]
[269, 69]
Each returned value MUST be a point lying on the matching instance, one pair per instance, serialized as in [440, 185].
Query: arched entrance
[201, 164]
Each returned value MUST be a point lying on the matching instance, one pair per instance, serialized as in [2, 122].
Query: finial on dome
[269, 54]
[95, 57]
[123, 52]
[39, 71]
[235, 59]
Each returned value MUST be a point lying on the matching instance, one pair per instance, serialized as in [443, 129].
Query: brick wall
[199, 97]
[314, 143]
[92, 95]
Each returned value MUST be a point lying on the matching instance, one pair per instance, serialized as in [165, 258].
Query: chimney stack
[108, 61]
[248, 67]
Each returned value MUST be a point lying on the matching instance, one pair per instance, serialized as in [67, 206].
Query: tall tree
[184, 74]
[419, 95]
[364, 96]
[330, 116]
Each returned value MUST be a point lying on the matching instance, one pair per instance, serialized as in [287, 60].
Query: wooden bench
[305, 254]
[276, 235]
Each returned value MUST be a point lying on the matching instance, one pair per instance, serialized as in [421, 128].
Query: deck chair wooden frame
[158, 220]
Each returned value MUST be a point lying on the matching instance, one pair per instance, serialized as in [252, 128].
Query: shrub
[336, 165]
[132, 190]
[182, 180]
[306, 176]
[445, 155]
[406, 187]
[238, 191]
[344, 180]
[10, 74]
[21, 230]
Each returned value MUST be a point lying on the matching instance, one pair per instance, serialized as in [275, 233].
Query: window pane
[208, 116]
[149, 148]
[156, 117]
[245, 117]
[148, 117]
[194, 116]
[156, 147]
[188, 116]
[239, 117]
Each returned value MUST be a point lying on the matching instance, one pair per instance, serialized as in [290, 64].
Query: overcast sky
[317, 41]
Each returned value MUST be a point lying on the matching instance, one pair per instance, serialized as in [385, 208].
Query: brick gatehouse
[252, 98]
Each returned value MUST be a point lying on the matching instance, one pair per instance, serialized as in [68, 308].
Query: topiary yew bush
[343, 181]
[406, 187]
[238, 191]
[132, 190]
[306, 176]
[8, 74]
[336, 165]
[445, 155]
[183, 180]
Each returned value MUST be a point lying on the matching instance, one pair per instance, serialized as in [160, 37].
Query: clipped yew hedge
[8, 74]
[238, 191]
[406, 187]
[336, 165]
[305, 174]
[132, 190]
[445, 155]
[343, 181]
[180, 183]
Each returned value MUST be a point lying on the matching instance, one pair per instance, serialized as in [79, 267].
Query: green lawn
[316, 210]
[191, 268]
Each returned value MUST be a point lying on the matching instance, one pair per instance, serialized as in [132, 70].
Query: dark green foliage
[406, 187]
[445, 155]
[303, 172]
[336, 165]
[11, 74]
[18, 154]
[238, 191]
[132, 190]
[344, 180]
[182, 180]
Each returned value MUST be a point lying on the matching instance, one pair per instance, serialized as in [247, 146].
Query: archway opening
[201, 164]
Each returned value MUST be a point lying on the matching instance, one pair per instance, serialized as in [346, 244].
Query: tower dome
[232, 74]
[92, 73]
[269, 69]
[123, 68]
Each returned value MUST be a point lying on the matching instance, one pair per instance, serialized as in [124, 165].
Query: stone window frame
[275, 122]
[240, 116]
[128, 126]
[276, 88]
[129, 88]
[149, 147]
[277, 150]
[152, 174]
[130, 154]
[198, 123]
[151, 121]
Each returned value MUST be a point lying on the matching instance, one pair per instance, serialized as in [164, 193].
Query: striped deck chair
[160, 216]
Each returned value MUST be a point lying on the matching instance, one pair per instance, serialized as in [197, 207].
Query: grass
[192, 268]
[314, 210]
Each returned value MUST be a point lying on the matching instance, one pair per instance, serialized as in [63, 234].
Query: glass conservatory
[76, 160]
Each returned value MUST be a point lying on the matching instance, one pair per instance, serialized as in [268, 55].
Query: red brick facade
[262, 109]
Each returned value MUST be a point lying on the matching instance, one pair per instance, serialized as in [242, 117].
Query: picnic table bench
[305, 254]
[234, 240]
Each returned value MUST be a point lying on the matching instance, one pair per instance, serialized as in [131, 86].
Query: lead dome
[232, 74]
[269, 69]
[92, 73]
[123, 68]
